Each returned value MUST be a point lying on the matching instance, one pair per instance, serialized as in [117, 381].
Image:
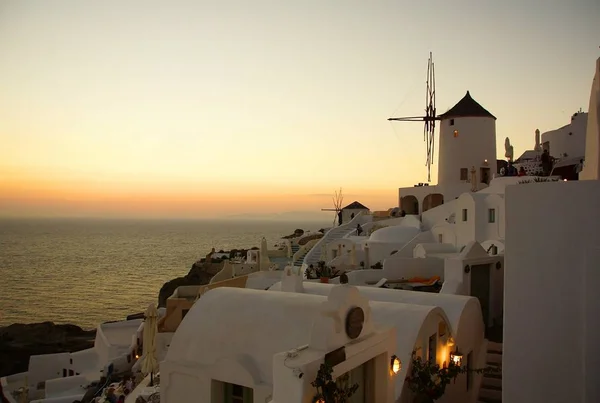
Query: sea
[88, 271]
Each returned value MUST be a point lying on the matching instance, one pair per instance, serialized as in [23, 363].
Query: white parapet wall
[551, 327]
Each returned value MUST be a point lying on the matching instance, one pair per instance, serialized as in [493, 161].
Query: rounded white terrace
[249, 327]
[413, 323]
[228, 323]
[463, 312]
[397, 234]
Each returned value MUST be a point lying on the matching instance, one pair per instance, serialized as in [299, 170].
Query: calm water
[89, 271]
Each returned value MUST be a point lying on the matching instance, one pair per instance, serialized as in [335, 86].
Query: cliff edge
[20, 341]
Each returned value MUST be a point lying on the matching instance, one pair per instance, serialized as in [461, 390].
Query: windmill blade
[429, 118]
[408, 119]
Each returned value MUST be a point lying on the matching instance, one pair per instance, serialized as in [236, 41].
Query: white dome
[396, 234]
[233, 322]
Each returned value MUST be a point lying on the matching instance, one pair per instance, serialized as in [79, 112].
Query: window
[464, 174]
[484, 175]
[237, 394]
[492, 215]
[451, 122]
[432, 348]
[440, 238]
[184, 312]
[464, 214]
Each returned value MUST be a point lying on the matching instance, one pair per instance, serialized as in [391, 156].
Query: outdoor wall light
[456, 357]
[455, 133]
[395, 364]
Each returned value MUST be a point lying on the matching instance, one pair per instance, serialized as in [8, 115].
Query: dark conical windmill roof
[355, 206]
[467, 108]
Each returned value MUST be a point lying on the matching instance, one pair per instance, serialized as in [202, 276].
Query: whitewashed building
[467, 142]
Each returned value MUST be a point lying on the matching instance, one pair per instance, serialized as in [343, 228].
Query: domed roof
[223, 324]
[467, 107]
[394, 234]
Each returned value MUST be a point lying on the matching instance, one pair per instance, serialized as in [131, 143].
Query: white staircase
[298, 262]
[334, 234]
[295, 248]
[491, 386]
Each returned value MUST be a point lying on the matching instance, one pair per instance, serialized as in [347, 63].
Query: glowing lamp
[456, 358]
[395, 364]
[455, 133]
[485, 162]
[564, 180]
[137, 356]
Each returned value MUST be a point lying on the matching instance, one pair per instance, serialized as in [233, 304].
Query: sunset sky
[210, 108]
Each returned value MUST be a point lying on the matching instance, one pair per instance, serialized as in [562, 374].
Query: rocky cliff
[19, 341]
[199, 274]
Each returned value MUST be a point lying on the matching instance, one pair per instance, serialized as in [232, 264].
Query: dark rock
[20, 341]
[297, 233]
[199, 274]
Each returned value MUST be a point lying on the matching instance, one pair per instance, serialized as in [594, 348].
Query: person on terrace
[359, 230]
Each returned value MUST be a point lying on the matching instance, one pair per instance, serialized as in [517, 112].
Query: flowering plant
[428, 380]
[330, 391]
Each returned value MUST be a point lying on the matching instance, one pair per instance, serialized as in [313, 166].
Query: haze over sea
[87, 271]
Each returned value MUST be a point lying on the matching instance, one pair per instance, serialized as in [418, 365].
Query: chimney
[291, 280]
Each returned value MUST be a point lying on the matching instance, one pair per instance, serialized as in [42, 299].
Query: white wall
[69, 386]
[551, 327]
[450, 191]
[569, 139]
[454, 269]
[439, 214]
[446, 232]
[475, 143]
[497, 229]
[47, 366]
[407, 249]
[591, 168]
[466, 231]
[478, 227]
[347, 214]
[402, 268]
[424, 250]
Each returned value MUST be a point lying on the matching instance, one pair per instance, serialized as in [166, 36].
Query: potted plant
[324, 274]
[330, 391]
[377, 266]
[428, 381]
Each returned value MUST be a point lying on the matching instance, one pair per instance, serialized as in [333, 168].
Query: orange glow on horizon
[22, 194]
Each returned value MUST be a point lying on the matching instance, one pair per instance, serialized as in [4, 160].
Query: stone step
[494, 394]
[493, 346]
[491, 381]
[494, 358]
[495, 375]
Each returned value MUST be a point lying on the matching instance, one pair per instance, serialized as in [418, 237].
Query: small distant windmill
[338, 199]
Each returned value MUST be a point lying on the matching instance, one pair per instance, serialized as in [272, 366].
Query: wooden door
[480, 288]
